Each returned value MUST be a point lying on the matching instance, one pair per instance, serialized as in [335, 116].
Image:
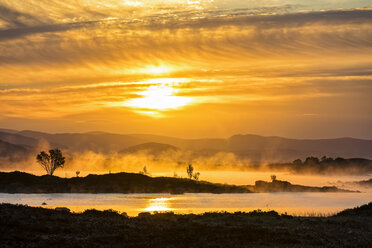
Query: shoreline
[312, 203]
[21, 182]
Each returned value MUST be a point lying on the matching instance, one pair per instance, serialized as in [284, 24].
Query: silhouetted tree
[273, 178]
[190, 170]
[77, 173]
[196, 176]
[340, 160]
[144, 171]
[325, 159]
[52, 161]
[297, 162]
[312, 160]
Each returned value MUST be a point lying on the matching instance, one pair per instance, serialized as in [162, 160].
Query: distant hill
[364, 183]
[326, 166]
[97, 142]
[13, 152]
[260, 148]
[283, 149]
[150, 147]
[254, 147]
[18, 139]
[191, 144]
[8, 130]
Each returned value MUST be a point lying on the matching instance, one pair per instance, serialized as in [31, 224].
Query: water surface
[132, 204]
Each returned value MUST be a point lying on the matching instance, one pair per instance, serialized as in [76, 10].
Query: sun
[160, 96]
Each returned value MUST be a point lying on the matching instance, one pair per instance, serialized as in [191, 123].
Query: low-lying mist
[220, 167]
[93, 162]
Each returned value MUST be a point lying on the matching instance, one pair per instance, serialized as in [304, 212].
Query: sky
[188, 68]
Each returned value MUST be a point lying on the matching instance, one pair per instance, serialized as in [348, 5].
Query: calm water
[292, 203]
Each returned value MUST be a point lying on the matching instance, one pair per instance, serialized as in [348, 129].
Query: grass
[23, 226]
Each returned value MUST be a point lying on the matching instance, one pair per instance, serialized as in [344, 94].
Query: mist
[221, 167]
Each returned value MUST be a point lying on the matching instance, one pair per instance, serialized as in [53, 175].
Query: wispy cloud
[64, 59]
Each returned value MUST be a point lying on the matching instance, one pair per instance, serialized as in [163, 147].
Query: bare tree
[52, 161]
[196, 176]
[190, 170]
[191, 174]
[273, 178]
[144, 171]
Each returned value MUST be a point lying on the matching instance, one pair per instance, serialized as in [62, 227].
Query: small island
[126, 183]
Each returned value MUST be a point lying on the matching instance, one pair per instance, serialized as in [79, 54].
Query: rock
[144, 215]
[63, 209]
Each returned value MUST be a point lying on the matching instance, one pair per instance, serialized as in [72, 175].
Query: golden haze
[187, 68]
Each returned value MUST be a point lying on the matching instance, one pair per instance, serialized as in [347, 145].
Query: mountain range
[14, 144]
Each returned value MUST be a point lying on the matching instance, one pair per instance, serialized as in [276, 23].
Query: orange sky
[187, 68]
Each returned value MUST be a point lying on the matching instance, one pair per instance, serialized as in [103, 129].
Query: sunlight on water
[158, 204]
[292, 203]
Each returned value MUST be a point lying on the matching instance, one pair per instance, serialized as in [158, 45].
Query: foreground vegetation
[22, 226]
[20, 182]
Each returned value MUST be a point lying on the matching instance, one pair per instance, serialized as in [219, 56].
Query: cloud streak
[65, 59]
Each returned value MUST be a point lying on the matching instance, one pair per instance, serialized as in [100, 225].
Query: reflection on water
[132, 204]
[158, 204]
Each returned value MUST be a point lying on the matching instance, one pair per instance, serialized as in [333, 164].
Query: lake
[303, 204]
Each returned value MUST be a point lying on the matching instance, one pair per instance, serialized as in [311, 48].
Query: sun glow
[156, 70]
[160, 96]
[132, 3]
[158, 204]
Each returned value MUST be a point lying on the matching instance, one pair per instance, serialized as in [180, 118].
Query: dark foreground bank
[20, 182]
[22, 226]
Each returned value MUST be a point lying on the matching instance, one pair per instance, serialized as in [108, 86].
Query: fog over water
[292, 203]
[230, 170]
[219, 168]
[236, 177]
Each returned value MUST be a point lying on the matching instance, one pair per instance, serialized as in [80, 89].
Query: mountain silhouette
[150, 148]
[254, 147]
[13, 152]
